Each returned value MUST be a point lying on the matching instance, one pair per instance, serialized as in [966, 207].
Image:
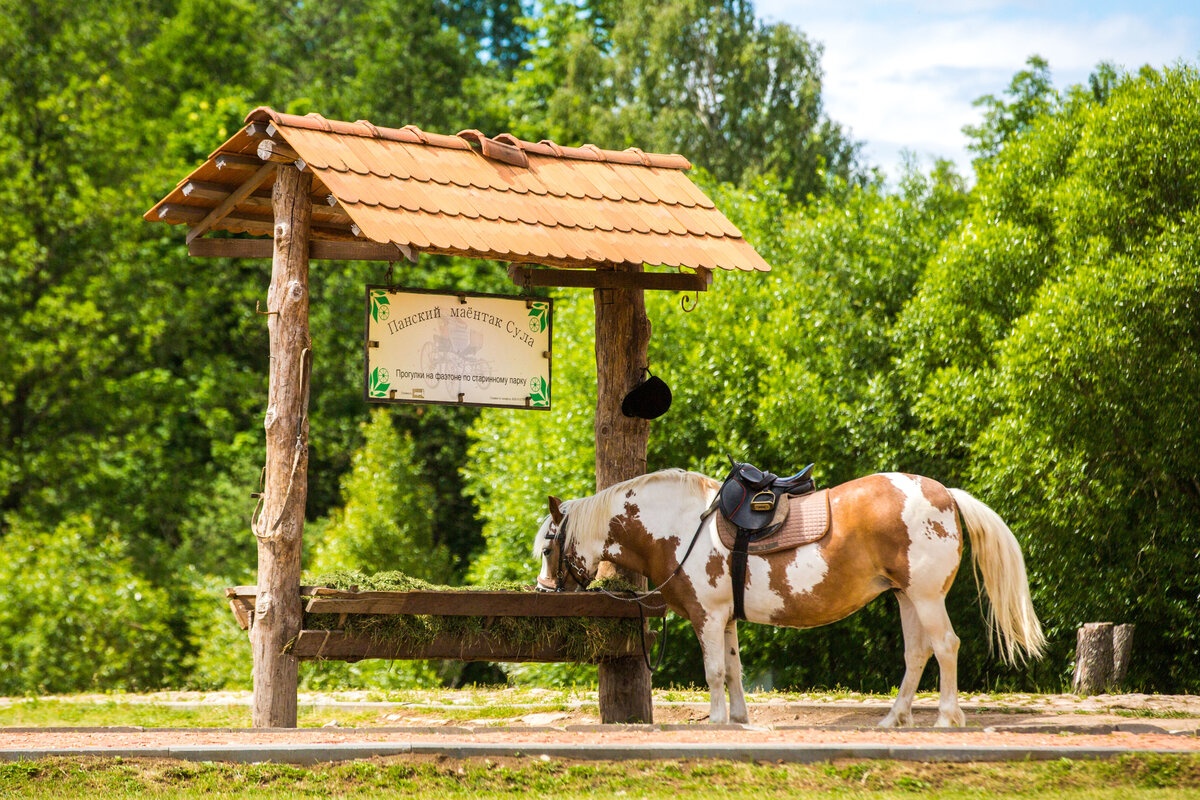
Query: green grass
[1127, 778]
[1151, 713]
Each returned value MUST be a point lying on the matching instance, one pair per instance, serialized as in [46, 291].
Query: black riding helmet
[650, 399]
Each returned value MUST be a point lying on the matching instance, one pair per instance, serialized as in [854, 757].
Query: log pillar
[622, 344]
[280, 524]
[1093, 658]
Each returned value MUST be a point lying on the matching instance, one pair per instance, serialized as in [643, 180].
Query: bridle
[563, 566]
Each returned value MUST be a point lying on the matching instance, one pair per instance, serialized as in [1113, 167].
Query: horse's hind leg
[733, 676]
[932, 613]
[917, 650]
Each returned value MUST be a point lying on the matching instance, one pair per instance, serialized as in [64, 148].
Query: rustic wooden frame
[319, 644]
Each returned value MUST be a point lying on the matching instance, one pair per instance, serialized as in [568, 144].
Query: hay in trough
[581, 639]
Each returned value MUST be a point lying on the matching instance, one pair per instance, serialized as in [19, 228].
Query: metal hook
[683, 302]
[387, 278]
[257, 310]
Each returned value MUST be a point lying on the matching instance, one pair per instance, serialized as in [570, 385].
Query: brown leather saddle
[756, 507]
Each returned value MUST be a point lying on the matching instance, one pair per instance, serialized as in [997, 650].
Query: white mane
[589, 516]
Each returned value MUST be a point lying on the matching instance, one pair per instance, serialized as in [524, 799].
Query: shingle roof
[497, 198]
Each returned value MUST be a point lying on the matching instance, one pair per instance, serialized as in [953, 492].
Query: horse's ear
[556, 510]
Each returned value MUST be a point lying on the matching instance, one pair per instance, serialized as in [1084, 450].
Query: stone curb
[764, 752]
[468, 730]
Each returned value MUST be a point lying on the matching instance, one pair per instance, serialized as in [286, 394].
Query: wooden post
[622, 343]
[1093, 658]
[280, 525]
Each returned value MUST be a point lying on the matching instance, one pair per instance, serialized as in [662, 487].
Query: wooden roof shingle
[497, 198]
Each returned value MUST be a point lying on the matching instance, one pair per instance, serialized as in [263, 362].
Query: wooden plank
[482, 604]
[252, 591]
[241, 612]
[322, 249]
[236, 196]
[609, 279]
[313, 645]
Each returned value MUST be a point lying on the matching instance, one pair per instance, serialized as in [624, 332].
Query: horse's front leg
[712, 644]
[733, 675]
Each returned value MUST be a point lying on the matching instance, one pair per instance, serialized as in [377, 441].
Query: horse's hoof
[896, 721]
[954, 720]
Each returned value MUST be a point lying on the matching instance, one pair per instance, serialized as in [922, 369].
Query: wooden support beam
[315, 645]
[280, 526]
[319, 249]
[622, 344]
[226, 205]
[235, 161]
[611, 279]
[175, 213]
[280, 153]
[216, 192]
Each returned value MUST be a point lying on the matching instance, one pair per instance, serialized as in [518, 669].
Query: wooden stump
[1093, 658]
[280, 525]
[622, 344]
[1122, 652]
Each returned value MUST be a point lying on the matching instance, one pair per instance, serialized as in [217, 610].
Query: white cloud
[903, 77]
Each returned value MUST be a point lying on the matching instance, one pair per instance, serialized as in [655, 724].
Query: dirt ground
[1127, 721]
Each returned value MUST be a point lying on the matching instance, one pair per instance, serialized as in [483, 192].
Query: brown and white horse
[887, 531]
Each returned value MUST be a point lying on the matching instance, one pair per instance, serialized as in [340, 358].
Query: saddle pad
[805, 519]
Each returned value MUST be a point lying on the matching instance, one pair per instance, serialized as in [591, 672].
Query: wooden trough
[316, 644]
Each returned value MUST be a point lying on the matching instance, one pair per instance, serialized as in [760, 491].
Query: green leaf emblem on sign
[379, 305]
[539, 392]
[380, 382]
[538, 313]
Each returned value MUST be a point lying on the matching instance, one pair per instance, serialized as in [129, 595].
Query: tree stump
[1093, 659]
[1122, 652]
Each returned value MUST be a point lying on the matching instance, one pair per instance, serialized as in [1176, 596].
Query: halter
[563, 566]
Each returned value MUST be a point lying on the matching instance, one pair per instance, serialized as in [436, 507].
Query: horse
[886, 531]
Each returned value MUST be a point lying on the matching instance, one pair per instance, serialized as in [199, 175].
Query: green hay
[580, 639]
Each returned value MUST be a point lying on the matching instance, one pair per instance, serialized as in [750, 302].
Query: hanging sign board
[457, 349]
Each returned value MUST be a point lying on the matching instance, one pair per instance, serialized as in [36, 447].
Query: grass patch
[1152, 713]
[1126, 778]
[580, 639]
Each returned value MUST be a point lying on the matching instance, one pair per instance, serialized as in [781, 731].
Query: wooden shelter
[560, 216]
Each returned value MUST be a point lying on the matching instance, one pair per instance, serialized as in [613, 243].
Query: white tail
[996, 554]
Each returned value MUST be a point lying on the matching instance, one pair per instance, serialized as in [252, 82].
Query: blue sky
[902, 76]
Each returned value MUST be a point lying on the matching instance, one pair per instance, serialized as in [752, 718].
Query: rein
[629, 595]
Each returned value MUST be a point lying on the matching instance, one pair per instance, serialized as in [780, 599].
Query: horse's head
[562, 567]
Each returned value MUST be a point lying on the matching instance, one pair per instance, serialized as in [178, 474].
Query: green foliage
[75, 615]
[1049, 362]
[740, 97]
[1033, 339]
[1032, 95]
[386, 518]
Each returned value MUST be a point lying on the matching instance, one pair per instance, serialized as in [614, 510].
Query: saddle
[756, 504]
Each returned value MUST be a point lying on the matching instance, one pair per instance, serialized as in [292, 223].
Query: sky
[902, 76]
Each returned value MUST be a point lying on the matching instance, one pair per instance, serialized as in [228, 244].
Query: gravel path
[1136, 722]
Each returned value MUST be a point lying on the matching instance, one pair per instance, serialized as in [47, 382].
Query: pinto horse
[887, 531]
